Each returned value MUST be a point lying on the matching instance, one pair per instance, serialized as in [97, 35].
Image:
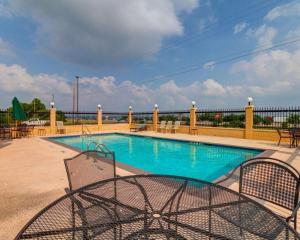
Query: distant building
[279, 119]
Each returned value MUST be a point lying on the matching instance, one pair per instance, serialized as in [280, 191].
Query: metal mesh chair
[90, 166]
[271, 180]
[86, 168]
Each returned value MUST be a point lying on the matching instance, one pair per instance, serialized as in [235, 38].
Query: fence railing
[5, 117]
[234, 118]
[76, 118]
[114, 117]
[142, 117]
[182, 116]
[272, 118]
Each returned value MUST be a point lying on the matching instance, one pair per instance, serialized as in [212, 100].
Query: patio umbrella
[18, 112]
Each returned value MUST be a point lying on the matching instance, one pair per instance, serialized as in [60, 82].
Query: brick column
[155, 118]
[53, 120]
[193, 118]
[130, 117]
[249, 121]
[99, 118]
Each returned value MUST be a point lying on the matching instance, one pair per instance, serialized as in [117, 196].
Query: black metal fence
[272, 118]
[182, 116]
[142, 117]
[76, 118]
[114, 117]
[233, 118]
[5, 117]
[33, 118]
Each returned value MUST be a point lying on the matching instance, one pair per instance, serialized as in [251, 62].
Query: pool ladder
[85, 132]
[98, 146]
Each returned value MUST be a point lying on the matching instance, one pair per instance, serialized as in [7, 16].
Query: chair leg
[295, 223]
[279, 141]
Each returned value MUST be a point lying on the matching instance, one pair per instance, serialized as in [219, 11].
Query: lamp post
[99, 107]
[52, 104]
[193, 104]
[155, 106]
[250, 100]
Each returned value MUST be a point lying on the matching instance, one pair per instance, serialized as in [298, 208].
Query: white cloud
[239, 27]
[15, 79]
[209, 65]
[263, 34]
[95, 33]
[213, 88]
[289, 9]
[274, 75]
[6, 48]
[185, 6]
[205, 22]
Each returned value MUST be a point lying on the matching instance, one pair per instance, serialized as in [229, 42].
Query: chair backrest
[270, 179]
[162, 123]
[89, 167]
[169, 123]
[60, 124]
[177, 124]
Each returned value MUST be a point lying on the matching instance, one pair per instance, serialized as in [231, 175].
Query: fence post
[193, 118]
[99, 117]
[130, 115]
[155, 117]
[249, 119]
[53, 120]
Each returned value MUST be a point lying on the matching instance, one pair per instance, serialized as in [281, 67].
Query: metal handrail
[85, 132]
[99, 146]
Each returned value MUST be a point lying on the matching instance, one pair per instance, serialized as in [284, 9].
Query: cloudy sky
[142, 52]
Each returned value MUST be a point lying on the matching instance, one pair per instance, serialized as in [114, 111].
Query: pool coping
[265, 152]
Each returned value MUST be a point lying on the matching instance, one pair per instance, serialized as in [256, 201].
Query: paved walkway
[32, 174]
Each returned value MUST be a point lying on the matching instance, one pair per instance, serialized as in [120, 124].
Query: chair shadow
[4, 143]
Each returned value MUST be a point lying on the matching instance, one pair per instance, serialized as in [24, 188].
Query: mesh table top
[155, 207]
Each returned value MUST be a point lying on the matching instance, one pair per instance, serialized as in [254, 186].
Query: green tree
[293, 119]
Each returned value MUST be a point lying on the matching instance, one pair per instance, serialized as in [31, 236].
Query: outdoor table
[156, 207]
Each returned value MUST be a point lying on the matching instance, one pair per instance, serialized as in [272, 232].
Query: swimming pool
[165, 156]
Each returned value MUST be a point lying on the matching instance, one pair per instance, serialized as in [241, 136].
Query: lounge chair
[169, 126]
[176, 126]
[161, 126]
[267, 179]
[60, 127]
[138, 128]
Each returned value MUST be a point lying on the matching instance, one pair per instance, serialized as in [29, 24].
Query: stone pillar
[130, 117]
[53, 120]
[249, 121]
[155, 118]
[193, 118]
[99, 118]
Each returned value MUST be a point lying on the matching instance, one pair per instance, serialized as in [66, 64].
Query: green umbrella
[18, 112]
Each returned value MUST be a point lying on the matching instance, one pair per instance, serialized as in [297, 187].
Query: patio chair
[176, 126]
[286, 134]
[161, 126]
[266, 179]
[169, 126]
[138, 128]
[60, 127]
[84, 169]
[296, 136]
[5, 132]
[89, 167]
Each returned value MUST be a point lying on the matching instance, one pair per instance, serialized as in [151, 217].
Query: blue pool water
[162, 156]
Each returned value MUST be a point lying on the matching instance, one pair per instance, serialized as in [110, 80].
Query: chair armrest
[294, 213]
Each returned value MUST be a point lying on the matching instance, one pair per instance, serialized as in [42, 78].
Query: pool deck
[32, 173]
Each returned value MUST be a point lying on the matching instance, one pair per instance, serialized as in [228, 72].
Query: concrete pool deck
[32, 173]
